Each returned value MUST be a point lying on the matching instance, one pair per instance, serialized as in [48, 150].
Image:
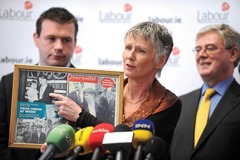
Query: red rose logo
[28, 5]
[175, 51]
[127, 7]
[78, 50]
[225, 6]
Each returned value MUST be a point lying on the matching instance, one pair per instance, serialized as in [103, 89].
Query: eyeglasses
[209, 49]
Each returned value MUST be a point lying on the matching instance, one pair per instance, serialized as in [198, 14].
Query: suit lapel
[193, 110]
[226, 105]
[189, 109]
[71, 65]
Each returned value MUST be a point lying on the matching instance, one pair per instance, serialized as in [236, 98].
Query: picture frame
[33, 110]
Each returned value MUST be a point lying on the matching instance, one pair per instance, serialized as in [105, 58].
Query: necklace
[136, 101]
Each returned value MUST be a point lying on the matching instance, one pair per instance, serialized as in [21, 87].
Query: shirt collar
[68, 65]
[221, 87]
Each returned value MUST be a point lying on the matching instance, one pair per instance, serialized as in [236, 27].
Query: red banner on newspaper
[80, 78]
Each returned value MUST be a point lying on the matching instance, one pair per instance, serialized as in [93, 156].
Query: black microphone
[123, 151]
[121, 128]
[154, 148]
[119, 142]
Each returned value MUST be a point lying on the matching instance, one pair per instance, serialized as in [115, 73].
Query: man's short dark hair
[59, 15]
[39, 126]
[42, 75]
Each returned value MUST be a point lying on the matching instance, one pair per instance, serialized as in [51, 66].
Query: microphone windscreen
[141, 136]
[122, 128]
[97, 135]
[144, 124]
[155, 146]
[143, 131]
[118, 141]
[62, 136]
[82, 138]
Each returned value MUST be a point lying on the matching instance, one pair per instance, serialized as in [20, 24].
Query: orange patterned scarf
[160, 99]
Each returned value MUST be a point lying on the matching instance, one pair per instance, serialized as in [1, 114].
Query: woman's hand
[67, 108]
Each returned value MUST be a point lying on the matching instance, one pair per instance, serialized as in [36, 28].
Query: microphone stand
[138, 153]
[119, 155]
[96, 153]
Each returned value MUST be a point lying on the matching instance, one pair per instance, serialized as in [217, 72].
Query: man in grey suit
[217, 54]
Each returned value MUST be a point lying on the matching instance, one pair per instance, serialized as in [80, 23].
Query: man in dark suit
[38, 136]
[76, 94]
[217, 54]
[44, 89]
[55, 38]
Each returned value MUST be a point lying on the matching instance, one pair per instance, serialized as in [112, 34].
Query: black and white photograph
[95, 94]
[34, 112]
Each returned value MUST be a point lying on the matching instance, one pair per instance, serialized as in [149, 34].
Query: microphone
[96, 138]
[119, 142]
[154, 148]
[81, 143]
[59, 140]
[122, 128]
[143, 131]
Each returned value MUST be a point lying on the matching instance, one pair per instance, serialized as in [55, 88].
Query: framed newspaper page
[34, 112]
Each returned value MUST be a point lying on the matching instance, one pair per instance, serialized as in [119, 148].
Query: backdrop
[102, 26]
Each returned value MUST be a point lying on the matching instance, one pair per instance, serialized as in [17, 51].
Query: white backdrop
[102, 26]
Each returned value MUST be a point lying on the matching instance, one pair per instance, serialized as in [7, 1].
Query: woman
[147, 47]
